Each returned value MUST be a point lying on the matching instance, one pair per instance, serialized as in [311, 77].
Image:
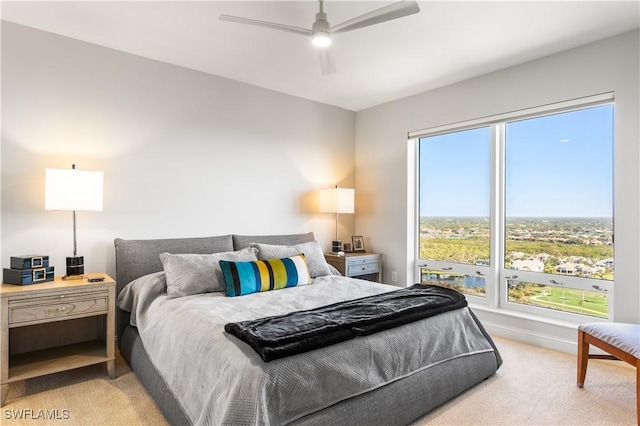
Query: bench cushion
[625, 337]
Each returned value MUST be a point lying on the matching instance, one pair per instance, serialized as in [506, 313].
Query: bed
[199, 374]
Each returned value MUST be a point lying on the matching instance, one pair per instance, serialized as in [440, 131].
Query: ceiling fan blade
[393, 11]
[265, 24]
[327, 65]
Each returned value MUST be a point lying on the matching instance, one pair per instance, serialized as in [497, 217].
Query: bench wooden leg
[583, 358]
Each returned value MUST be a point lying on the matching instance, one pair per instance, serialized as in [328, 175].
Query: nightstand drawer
[45, 308]
[360, 268]
[374, 258]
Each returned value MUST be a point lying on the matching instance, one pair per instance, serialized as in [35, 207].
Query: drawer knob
[62, 308]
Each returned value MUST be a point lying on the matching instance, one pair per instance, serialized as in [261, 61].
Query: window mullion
[494, 287]
[493, 281]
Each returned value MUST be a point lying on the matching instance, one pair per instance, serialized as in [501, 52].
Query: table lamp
[337, 200]
[73, 190]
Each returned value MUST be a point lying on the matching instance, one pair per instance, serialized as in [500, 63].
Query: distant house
[566, 268]
[517, 254]
[584, 270]
[533, 265]
[581, 259]
[605, 263]
[543, 257]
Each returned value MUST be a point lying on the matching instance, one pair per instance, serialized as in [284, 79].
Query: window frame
[496, 274]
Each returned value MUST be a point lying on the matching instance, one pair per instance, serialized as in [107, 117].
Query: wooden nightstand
[366, 266]
[56, 326]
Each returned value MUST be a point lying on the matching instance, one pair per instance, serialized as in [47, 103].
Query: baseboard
[544, 332]
[531, 337]
[526, 328]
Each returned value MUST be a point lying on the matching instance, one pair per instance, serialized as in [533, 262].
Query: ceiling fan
[321, 31]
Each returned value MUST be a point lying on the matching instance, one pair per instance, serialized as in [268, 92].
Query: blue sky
[557, 166]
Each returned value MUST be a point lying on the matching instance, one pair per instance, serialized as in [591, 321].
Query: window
[517, 211]
[454, 204]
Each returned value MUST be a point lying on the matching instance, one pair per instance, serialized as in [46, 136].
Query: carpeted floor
[534, 386]
[537, 386]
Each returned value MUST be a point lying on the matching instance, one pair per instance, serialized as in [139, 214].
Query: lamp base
[336, 246]
[75, 268]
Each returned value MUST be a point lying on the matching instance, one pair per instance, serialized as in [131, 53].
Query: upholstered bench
[622, 341]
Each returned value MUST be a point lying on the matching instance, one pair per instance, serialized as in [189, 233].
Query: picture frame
[357, 242]
[347, 247]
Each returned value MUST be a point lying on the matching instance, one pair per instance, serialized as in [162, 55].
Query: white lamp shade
[73, 190]
[337, 200]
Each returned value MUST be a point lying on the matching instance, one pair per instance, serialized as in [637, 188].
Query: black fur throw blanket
[301, 331]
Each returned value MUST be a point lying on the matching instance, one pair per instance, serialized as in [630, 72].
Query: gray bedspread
[219, 379]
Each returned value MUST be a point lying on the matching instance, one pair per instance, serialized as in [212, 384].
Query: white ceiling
[448, 41]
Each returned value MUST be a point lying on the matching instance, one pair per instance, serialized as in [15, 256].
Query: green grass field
[569, 300]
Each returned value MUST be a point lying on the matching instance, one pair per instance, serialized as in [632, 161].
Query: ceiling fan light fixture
[321, 39]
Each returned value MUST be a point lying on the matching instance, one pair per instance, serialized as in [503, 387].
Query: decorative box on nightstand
[56, 326]
[365, 266]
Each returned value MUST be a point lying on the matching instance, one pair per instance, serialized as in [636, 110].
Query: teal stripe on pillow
[292, 272]
[250, 277]
[246, 272]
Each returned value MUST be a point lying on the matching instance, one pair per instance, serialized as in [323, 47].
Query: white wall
[382, 166]
[183, 153]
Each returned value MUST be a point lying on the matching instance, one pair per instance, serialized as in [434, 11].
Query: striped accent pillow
[263, 275]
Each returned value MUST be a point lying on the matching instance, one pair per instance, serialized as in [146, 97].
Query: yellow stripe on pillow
[264, 276]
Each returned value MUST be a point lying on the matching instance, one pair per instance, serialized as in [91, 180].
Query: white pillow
[316, 262]
[271, 251]
[189, 274]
